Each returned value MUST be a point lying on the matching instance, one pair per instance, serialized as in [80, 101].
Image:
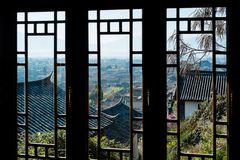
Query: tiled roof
[106, 120]
[197, 86]
[119, 129]
[114, 120]
[40, 106]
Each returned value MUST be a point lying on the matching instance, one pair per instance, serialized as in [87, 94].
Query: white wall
[190, 107]
[135, 147]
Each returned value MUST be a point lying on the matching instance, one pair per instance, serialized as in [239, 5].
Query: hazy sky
[111, 45]
[41, 46]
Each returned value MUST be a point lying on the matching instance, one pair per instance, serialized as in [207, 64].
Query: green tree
[93, 95]
[105, 143]
[48, 138]
[43, 138]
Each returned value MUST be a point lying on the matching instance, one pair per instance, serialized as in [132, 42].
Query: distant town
[115, 75]
[115, 79]
[115, 98]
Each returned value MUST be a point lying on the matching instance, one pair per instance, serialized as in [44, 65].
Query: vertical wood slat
[178, 81]
[214, 82]
[26, 87]
[99, 83]
[55, 86]
[131, 82]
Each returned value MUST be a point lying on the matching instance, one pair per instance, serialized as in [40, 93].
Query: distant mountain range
[205, 65]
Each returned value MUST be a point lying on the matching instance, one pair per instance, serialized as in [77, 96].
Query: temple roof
[114, 119]
[120, 129]
[41, 106]
[198, 86]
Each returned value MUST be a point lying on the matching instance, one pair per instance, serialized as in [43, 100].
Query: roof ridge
[202, 72]
[43, 80]
[119, 102]
[109, 116]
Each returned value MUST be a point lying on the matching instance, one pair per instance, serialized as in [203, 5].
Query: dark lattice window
[107, 81]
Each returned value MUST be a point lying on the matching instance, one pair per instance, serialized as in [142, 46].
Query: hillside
[197, 132]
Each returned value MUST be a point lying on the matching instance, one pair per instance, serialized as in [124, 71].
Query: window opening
[41, 85]
[197, 81]
[115, 84]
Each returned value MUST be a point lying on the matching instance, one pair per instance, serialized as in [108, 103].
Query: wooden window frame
[77, 24]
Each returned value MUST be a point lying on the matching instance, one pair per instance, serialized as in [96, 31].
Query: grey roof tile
[197, 86]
